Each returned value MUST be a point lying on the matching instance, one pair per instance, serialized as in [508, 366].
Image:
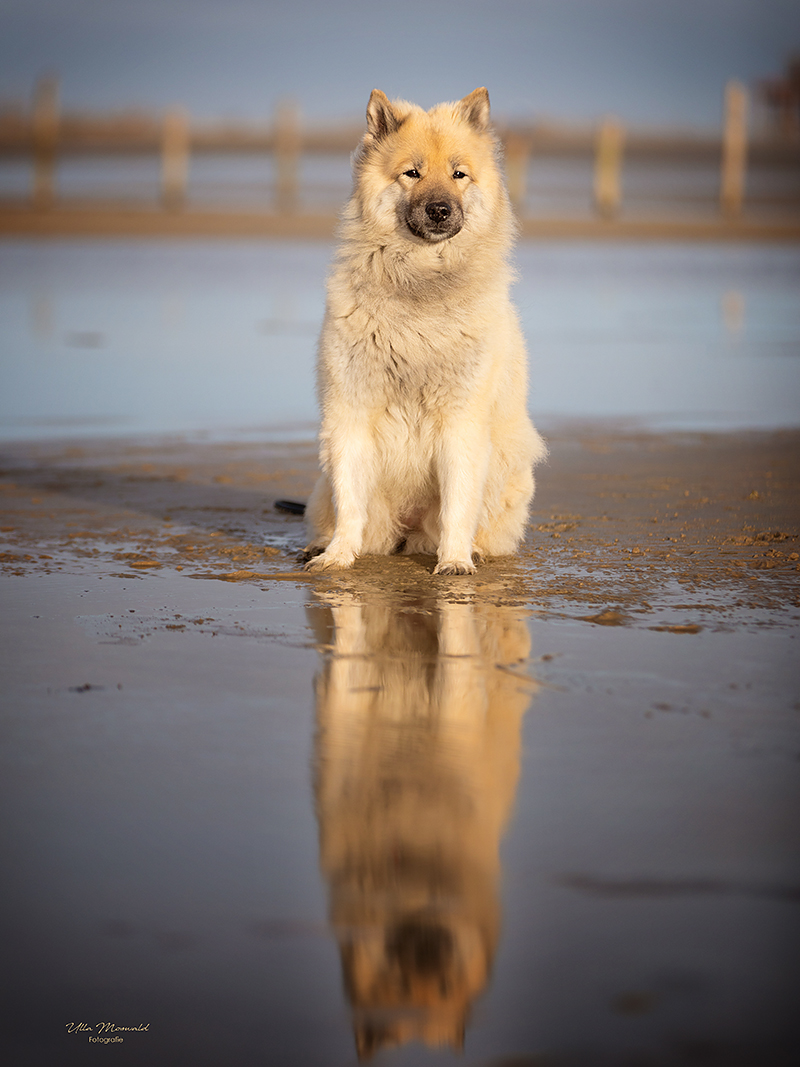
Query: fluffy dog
[425, 441]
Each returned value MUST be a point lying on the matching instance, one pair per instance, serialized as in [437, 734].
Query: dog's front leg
[462, 467]
[351, 471]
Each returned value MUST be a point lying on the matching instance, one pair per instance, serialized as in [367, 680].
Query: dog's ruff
[425, 440]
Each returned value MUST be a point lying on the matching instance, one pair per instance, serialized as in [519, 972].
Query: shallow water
[278, 824]
[125, 337]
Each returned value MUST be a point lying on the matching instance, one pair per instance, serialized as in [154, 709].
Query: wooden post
[175, 146]
[517, 156]
[734, 150]
[44, 128]
[287, 156]
[608, 167]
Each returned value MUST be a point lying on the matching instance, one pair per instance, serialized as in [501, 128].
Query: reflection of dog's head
[428, 175]
[414, 981]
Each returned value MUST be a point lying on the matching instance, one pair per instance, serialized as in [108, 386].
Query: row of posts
[176, 150]
[608, 159]
[176, 147]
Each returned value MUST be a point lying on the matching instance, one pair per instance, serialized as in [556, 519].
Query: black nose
[438, 211]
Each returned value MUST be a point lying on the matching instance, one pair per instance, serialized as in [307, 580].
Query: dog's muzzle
[435, 220]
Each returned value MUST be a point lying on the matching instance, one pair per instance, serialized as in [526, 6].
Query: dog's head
[424, 171]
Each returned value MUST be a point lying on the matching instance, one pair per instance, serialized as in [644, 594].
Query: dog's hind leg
[503, 524]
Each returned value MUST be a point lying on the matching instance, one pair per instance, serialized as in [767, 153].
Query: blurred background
[652, 152]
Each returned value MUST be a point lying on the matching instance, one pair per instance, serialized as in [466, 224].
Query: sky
[651, 62]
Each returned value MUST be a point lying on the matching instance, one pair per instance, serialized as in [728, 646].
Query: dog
[425, 441]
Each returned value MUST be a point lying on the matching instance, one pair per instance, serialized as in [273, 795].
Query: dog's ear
[381, 119]
[475, 109]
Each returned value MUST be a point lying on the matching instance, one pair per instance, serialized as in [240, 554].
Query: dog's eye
[459, 174]
[411, 173]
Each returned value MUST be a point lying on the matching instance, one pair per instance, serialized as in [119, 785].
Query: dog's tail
[293, 507]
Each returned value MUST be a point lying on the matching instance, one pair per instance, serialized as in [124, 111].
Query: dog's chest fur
[404, 349]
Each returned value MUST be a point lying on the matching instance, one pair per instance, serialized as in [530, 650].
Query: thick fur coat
[425, 441]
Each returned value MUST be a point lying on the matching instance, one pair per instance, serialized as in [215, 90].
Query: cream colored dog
[425, 442]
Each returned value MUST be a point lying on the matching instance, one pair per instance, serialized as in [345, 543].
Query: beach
[545, 815]
[586, 756]
[620, 515]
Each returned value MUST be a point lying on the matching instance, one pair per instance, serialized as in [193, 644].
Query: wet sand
[233, 820]
[690, 530]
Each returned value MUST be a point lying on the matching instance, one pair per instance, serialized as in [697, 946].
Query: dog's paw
[455, 566]
[330, 561]
[309, 553]
[418, 544]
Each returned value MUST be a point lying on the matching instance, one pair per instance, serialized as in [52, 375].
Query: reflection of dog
[425, 438]
[417, 761]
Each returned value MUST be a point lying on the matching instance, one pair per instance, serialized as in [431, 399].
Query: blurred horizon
[219, 337]
[572, 60]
